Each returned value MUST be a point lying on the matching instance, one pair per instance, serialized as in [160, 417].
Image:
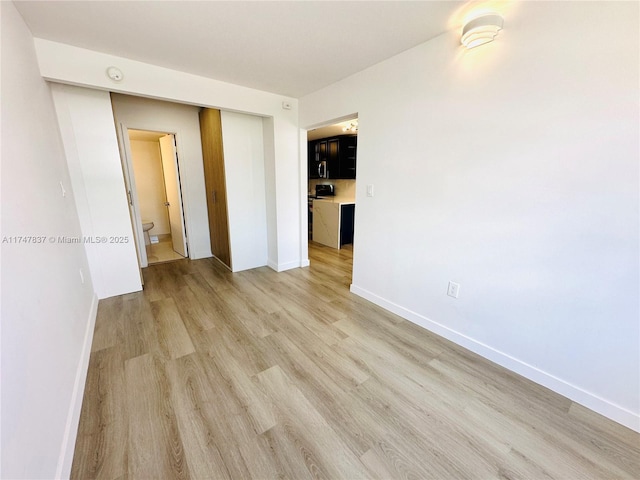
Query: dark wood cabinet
[317, 151]
[347, 163]
[313, 166]
[347, 221]
[321, 150]
[333, 158]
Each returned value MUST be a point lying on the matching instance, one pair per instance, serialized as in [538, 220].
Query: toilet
[146, 226]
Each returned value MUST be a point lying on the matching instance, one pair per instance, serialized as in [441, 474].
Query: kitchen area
[332, 183]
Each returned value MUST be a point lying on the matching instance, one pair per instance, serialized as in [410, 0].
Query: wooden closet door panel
[213, 157]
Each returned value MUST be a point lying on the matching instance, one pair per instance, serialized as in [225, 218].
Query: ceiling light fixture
[115, 74]
[481, 30]
[352, 127]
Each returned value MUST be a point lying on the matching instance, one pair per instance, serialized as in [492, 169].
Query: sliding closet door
[214, 177]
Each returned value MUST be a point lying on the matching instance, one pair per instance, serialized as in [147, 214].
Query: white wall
[147, 167]
[268, 134]
[511, 169]
[181, 120]
[286, 196]
[47, 313]
[246, 199]
[91, 146]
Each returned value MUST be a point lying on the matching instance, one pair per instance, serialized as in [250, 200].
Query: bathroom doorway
[155, 190]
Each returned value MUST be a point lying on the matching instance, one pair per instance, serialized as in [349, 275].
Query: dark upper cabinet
[317, 151]
[321, 150]
[313, 165]
[333, 157]
[347, 163]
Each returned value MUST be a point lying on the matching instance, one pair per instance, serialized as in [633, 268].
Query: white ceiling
[291, 48]
[331, 130]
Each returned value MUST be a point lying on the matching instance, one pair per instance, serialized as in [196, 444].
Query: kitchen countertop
[337, 199]
[327, 219]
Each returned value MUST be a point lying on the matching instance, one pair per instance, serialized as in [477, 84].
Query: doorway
[154, 188]
[331, 186]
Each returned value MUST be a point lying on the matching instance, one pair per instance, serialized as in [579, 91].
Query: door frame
[304, 180]
[126, 158]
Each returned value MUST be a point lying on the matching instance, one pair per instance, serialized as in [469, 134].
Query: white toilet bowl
[146, 226]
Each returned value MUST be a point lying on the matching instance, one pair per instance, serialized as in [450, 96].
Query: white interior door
[174, 198]
[132, 197]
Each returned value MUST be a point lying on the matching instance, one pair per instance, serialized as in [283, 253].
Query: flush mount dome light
[115, 74]
[481, 30]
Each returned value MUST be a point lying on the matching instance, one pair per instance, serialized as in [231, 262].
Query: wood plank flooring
[212, 375]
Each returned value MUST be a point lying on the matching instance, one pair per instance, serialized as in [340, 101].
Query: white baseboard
[198, 254]
[593, 402]
[281, 267]
[305, 262]
[73, 417]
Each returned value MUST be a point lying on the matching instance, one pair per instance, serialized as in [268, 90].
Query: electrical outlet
[369, 190]
[453, 290]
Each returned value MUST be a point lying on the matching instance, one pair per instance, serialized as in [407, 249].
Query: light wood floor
[213, 375]
[162, 251]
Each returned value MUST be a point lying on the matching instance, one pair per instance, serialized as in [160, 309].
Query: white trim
[288, 265]
[196, 255]
[65, 460]
[126, 158]
[597, 404]
[304, 198]
[281, 267]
